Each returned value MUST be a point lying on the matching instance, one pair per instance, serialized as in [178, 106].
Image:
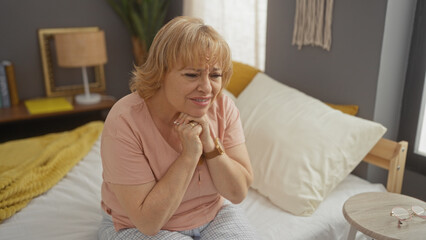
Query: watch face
[219, 147]
[218, 150]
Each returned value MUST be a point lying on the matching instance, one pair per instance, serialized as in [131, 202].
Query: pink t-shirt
[134, 152]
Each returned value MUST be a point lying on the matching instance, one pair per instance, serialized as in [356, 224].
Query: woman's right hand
[189, 134]
[158, 200]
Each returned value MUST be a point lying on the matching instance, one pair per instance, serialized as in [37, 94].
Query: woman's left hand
[205, 136]
[233, 167]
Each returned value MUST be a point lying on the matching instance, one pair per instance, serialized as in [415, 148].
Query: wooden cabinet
[16, 122]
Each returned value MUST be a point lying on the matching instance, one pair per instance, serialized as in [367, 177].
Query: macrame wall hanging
[312, 23]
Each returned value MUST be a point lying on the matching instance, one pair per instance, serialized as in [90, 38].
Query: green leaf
[122, 11]
[138, 26]
[143, 18]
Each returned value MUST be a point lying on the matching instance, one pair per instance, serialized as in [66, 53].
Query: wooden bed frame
[391, 156]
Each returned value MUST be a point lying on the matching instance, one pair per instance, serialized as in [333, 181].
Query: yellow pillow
[348, 109]
[242, 76]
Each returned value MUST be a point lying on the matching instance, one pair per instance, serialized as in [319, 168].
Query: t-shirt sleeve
[123, 160]
[234, 134]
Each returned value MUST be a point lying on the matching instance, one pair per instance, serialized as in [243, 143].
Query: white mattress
[71, 210]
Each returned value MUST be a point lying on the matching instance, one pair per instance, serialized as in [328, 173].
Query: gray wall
[393, 64]
[345, 75]
[366, 65]
[19, 21]
[393, 68]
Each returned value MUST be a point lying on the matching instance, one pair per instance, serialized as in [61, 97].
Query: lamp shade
[80, 49]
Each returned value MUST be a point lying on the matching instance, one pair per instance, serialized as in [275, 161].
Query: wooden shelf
[20, 112]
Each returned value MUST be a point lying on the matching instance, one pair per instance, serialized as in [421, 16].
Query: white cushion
[299, 147]
[229, 94]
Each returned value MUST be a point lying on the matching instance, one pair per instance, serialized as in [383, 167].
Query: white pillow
[229, 94]
[299, 147]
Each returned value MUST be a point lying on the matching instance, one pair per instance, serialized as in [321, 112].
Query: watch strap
[218, 150]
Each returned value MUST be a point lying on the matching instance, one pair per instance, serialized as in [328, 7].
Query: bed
[70, 209]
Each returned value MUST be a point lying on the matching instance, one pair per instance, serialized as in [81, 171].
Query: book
[4, 89]
[11, 81]
[48, 105]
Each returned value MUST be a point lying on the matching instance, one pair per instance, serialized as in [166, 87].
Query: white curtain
[241, 22]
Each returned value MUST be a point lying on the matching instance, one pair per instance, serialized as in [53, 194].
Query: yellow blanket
[30, 167]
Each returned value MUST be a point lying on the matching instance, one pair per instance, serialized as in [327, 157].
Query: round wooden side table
[369, 213]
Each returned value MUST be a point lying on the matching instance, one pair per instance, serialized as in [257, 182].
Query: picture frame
[57, 80]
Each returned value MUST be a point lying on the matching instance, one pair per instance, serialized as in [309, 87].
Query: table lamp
[82, 49]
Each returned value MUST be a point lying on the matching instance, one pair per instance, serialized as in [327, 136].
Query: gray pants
[230, 223]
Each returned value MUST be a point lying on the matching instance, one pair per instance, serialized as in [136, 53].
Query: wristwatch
[218, 150]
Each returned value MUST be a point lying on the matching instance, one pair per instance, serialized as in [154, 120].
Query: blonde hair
[183, 40]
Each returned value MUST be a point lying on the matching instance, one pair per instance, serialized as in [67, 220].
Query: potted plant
[143, 18]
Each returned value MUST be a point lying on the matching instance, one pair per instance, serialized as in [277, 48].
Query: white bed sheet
[71, 210]
[327, 222]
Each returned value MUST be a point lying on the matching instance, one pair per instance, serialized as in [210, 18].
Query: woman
[165, 170]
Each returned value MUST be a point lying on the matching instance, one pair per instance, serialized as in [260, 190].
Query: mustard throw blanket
[30, 167]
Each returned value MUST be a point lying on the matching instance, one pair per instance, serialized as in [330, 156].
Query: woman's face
[192, 89]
